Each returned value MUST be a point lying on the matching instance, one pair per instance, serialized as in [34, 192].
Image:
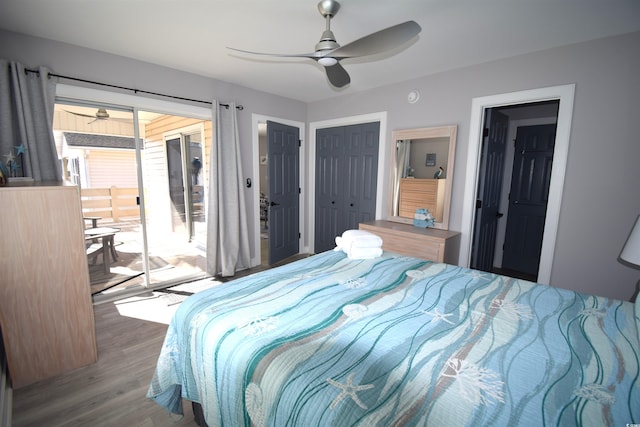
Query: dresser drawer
[405, 239]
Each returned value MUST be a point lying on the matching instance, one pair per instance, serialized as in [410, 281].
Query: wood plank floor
[112, 391]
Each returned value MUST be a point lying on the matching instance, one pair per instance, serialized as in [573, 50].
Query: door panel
[346, 180]
[329, 151]
[489, 190]
[529, 195]
[176, 187]
[284, 190]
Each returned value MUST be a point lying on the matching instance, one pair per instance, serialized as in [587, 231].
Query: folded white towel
[360, 239]
[364, 253]
[359, 244]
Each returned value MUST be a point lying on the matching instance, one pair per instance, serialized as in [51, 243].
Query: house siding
[107, 168]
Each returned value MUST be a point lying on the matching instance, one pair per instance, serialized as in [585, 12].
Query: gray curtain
[227, 230]
[403, 152]
[27, 145]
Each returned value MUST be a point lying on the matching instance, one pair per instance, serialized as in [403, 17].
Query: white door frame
[564, 93]
[382, 162]
[256, 119]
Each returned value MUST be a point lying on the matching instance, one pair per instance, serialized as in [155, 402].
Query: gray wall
[601, 196]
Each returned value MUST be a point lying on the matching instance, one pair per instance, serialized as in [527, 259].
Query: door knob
[274, 204]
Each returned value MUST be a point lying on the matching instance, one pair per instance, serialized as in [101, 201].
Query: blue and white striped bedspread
[328, 341]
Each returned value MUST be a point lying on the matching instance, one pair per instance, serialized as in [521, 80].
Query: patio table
[106, 234]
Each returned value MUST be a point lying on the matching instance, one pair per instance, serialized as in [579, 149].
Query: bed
[395, 340]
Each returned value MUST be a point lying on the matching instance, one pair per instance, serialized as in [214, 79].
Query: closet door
[346, 180]
[329, 156]
[360, 174]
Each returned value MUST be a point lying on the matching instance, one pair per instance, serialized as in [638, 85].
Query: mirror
[422, 173]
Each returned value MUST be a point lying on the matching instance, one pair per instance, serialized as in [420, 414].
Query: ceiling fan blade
[378, 42]
[314, 55]
[337, 75]
[81, 115]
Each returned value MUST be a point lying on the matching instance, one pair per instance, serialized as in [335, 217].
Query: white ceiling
[191, 35]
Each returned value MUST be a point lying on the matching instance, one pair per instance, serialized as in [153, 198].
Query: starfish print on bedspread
[259, 325]
[348, 390]
[478, 275]
[438, 316]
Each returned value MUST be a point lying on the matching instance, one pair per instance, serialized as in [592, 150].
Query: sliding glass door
[174, 170]
[143, 181]
[98, 150]
[186, 189]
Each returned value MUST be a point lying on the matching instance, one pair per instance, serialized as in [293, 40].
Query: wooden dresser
[46, 312]
[405, 239]
[418, 193]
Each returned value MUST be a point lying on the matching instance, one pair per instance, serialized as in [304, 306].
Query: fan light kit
[413, 96]
[329, 53]
[328, 61]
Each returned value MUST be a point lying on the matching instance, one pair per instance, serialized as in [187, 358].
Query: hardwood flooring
[112, 391]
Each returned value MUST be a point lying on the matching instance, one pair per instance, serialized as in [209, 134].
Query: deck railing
[114, 202]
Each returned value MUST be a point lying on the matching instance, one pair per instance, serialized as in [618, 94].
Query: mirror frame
[449, 131]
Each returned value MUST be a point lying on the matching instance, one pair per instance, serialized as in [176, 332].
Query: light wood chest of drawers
[46, 311]
[422, 193]
[405, 239]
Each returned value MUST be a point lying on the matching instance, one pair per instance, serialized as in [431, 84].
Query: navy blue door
[489, 190]
[528, 198]
[329, 195]
[283, 148]
[346, 180]
[361, 158]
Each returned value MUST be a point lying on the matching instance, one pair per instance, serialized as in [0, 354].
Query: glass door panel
[97, 146]
[143, 201]
[176, 184]
[174, 192]
[197, 224]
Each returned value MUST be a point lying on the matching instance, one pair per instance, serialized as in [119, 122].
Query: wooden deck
[169, 259]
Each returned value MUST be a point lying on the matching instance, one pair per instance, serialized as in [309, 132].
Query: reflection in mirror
[422, 173]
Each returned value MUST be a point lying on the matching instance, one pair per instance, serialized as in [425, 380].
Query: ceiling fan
[329, 53]
[101, 115]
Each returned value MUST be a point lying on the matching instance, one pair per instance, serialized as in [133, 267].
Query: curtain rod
[238, 107]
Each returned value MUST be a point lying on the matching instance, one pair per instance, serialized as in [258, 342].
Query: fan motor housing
[328, 8]
[327, 41]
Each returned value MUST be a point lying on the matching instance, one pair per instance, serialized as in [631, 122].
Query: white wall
[601, 198]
